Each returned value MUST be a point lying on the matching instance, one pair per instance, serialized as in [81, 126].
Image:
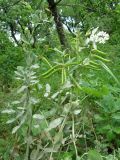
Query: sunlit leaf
[109, 71]
[22, 89]
[55, 123]
[35, 66]
[76, 112]
[8, 111]
[38, 116]
[15, 129]
[94, 155]
[10, 121]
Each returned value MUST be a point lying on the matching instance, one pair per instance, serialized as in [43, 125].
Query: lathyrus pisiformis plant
[61, 123]
[80, 58]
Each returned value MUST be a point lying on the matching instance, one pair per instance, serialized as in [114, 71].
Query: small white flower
[97, 37]
[102, 37]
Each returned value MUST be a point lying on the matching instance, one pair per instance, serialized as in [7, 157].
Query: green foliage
[93, 155]
[10, 58]
[59, 104]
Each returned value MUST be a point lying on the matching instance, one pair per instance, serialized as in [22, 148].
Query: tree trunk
[58, 22]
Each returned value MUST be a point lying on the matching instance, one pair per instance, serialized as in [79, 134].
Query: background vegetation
[59, 86]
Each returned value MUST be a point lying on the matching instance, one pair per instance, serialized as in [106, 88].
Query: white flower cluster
[97, 37]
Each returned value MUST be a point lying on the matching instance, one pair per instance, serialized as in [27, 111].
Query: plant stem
[29, 114]
[73, 136]
[28, 134]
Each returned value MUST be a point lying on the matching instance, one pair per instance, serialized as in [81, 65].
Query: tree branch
[69, 29]
[12, 33]
[58, 23]
[58, 2]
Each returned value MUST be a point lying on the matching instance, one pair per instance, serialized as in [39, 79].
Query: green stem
[29, 114]
[28, 136]
[73, 136]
